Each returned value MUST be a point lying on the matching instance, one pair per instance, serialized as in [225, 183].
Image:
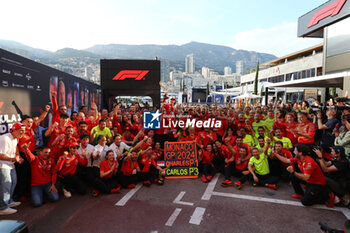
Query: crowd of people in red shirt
[109, 150]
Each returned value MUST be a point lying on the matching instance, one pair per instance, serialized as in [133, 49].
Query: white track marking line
[179, 197]
[210, 188]
[345, 211]
[173, 217]
[210, 192]
[197, 216]
[129, 195]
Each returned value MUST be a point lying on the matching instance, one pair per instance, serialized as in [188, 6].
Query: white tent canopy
[247, 96]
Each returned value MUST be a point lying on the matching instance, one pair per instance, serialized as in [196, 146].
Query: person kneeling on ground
[44, 175]
[66, 166]
[107, 182]
[258, 167]
[309, 173]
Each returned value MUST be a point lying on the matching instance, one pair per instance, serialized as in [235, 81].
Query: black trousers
[88, 174]
[23, 172]
[337, 187]
[125, 181]
[207, 169]
[105, 185]
[314, 193]
[150, 176]
[263, 179]
[73, 183]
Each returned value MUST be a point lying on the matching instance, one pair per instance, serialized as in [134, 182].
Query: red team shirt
[42, 171]
[105, 167]
[310, 167]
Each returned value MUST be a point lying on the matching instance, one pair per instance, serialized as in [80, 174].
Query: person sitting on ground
[149, 169]
[129, 170]
[43, 175]
[280, 168]
[66, 166]
[107, 180]
[206, 163]
[258, 167]
[228, 155]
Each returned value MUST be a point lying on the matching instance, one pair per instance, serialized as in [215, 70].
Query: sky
[268, 26]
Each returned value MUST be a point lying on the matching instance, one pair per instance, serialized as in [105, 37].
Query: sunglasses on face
[75, 147]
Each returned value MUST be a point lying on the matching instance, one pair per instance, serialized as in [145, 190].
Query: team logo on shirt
[151, 120]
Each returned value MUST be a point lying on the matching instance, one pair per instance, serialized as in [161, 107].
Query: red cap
[73, 144]
[173, 98]
[17, 126]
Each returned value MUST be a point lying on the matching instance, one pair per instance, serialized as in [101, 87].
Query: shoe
[115, 190]
[7, 211]
[330, 201]
[226, 183]
[297, 196]
[238, 184]
[161, 181]
[272, 186]
[66, 193]
[147, 183]
[346, 199]
[203, 179]
[131, 186]
[14, 204]
[255, 184]
[209, 178]
[23, 199]
[337, 200]
[155, 181]
[95, 193]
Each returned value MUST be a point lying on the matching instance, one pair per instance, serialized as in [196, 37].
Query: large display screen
[26, 85]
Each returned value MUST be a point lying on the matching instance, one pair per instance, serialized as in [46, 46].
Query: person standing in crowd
[9, 154]
[305, 130]
[327, 138]
[98, 130]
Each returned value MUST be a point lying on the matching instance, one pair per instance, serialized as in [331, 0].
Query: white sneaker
[14, 204]
[7, 211]
[66, 193]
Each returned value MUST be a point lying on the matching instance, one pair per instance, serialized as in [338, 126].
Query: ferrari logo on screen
[330, 10]
[132, 74]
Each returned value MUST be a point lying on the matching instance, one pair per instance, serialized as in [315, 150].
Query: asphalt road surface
[182, 205]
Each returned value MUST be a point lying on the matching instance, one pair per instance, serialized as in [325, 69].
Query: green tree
[256, 79]
[207, 92]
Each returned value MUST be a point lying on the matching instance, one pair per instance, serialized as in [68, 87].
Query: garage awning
[329, 80]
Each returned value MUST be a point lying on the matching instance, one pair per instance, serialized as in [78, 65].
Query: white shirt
[8, 146]
[88, 152]
[103, 150]
[118, 150]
